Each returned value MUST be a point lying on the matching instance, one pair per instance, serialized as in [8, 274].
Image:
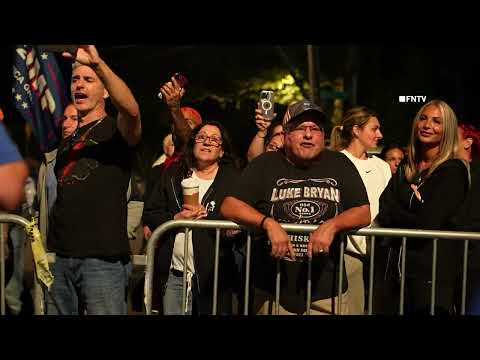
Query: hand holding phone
[181, 80]
[266, 104]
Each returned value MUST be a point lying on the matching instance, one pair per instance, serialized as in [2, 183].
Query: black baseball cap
[299, 108]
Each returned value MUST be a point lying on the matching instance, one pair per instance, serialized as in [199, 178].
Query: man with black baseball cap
[303, 184]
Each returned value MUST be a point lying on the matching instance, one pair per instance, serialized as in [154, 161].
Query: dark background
[384, 73]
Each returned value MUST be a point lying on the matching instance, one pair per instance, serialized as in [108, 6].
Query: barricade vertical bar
[247, 273]
[370, 280]
[277, 290]
[434, 277]
[38, 296]
[309, 286]
[148, 283]
[215, 273]
[402, 275]
[340, 280]
[464, 278]
[185, 268]
[2, 270]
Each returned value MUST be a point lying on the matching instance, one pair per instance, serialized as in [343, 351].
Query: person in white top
[207, 162]
[358, 133]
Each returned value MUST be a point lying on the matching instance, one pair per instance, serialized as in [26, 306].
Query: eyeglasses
[214, 140]
[313, 129]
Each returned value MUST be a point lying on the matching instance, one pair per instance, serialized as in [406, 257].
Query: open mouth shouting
[307, 145]
[80, 97]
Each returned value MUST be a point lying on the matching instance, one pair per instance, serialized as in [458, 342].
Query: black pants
[386, 280]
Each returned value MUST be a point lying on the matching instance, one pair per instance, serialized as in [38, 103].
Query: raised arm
[173, 93]
[128, 119]
[257, 146]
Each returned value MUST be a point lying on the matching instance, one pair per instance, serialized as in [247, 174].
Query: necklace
[94, 126]
[77, 138]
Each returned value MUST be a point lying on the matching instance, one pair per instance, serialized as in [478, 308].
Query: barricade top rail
[10, 218]
[293, 228]
[306, 229]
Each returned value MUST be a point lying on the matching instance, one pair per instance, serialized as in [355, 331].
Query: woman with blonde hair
[358, 133]
[426, 193]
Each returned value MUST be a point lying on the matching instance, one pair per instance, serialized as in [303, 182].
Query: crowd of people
[294, 175]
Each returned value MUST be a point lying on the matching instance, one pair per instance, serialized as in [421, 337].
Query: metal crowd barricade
[15, 219]
[38, 298]
[420, 234]
[307, 229]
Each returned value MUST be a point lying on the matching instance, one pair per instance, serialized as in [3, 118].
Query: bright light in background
[286, 90]
[283, 84]
[280, 81]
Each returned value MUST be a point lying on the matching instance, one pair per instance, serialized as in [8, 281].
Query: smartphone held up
[266, 104]
[181, 80]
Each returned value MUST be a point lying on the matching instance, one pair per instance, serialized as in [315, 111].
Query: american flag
[39, 93]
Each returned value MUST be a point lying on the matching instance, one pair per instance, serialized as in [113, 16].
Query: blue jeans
[95, 285]
[173, 297]
[473, 292]
[14, 288]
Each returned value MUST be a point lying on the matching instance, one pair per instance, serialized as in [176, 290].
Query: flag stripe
[39, 93]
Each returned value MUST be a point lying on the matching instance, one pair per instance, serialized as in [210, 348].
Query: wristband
[261, 137]
[263, 221]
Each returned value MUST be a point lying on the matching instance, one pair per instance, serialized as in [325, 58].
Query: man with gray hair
[303, 183]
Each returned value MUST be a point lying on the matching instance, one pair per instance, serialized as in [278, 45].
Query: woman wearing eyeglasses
[208, 159]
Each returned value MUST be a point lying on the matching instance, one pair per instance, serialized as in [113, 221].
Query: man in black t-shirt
[303, 184]
[88, 231]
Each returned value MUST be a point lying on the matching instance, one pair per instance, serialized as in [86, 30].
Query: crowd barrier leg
[370, 277]
[38, 296]
[434, 277]
[402, 276]
[464, 276]
[277, 289]
[247, 273]
[215, 272]
[309, 286]
[340, 280]
[185, 272]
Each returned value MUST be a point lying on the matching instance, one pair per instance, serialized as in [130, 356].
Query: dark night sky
[385, 72]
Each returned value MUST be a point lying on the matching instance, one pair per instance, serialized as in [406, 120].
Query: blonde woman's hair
[448, 142]
[342, 135]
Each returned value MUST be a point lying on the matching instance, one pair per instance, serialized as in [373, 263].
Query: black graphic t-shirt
[89, 217]
[275, 187]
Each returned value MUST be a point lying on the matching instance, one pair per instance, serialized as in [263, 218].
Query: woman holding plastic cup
[194, 189]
